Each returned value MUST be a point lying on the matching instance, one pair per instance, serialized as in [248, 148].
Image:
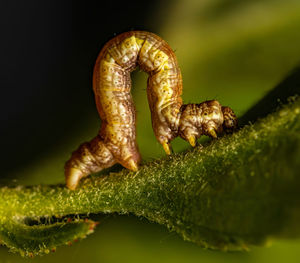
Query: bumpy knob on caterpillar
[116, 141]
[207, 118]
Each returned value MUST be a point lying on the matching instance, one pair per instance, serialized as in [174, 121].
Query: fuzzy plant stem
[237, 191]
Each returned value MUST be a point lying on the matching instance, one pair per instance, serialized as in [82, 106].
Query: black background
[47, 50]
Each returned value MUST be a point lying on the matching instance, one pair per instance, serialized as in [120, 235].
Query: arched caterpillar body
[116, 141]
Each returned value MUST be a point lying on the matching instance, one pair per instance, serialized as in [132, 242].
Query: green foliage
[235, 192]
[42, 238]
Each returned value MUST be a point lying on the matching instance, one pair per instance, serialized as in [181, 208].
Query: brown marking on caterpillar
[116, 141]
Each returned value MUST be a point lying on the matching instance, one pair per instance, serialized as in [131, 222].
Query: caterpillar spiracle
[116, 140]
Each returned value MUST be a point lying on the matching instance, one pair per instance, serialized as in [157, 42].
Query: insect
[116, 140]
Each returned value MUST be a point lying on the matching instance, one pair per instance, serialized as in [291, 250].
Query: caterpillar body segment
[90, 157]
[116, 140]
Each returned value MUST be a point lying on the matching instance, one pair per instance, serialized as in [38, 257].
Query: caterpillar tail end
[73, 177]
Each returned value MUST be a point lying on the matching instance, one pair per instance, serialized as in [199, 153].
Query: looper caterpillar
[116, 141]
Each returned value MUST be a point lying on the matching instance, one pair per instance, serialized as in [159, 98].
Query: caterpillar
[116, 140]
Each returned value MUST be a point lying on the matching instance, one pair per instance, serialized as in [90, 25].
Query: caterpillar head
[207, 118]
[230, 121]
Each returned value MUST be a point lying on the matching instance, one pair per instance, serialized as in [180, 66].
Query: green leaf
[32, 237]
[235, 192]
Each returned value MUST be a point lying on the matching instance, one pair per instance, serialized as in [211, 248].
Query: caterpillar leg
[90, 157]
[207, 118]
[192, 140]
[131, 163]
[125, 152]
[212, 133]
[167, 147]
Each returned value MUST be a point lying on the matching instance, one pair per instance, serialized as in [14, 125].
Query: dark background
[47, 50]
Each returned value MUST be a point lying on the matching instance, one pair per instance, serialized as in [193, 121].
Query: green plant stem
[237, 191]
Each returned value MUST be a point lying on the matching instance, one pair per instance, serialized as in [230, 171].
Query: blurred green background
[230, 50]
